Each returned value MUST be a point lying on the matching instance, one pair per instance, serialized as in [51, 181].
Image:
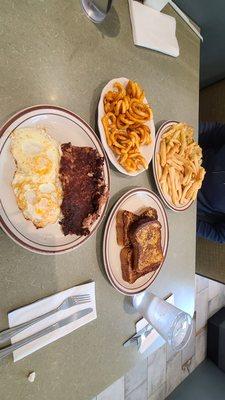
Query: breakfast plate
[183, 161]
[64, 126]
[145, 150]
[133, 201]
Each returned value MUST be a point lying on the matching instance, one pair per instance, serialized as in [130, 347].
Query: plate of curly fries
[126, 126]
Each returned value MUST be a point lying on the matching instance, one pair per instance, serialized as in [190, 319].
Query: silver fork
[67, 303]
[137, 338]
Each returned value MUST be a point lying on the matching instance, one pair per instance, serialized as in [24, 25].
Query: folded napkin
[41, 307]
[153, 340]
[153, 29]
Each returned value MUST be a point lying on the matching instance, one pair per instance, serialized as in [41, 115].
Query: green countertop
[51, 53]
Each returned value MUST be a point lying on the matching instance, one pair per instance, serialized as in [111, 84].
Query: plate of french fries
[126, 126]
[177, 165]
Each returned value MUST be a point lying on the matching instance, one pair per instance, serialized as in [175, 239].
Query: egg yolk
[41, 165]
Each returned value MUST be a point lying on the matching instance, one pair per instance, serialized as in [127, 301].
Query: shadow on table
[25, 277]
[111, 25]
[128, 305]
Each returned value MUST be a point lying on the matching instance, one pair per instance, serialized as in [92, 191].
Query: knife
[145, 330]
[74, 317]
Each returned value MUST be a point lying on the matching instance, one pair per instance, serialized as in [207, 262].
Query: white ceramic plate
[146, 151]
[135, 200]
[64, 126]
[163, 128]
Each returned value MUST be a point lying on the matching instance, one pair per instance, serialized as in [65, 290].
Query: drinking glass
[173, 324]
[96, 10]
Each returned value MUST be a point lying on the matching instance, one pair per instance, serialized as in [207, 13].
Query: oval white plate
[134, 200]
[163, 128]
[64, 126]
[146, 151]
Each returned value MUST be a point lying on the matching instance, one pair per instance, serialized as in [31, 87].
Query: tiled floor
[156, 377]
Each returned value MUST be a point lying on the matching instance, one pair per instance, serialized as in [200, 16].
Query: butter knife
[74, 317]
[67, 303]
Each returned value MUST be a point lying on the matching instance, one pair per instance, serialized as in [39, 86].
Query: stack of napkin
[153, 29]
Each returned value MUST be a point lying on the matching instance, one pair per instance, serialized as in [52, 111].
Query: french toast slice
[124, 219]
[129, 274]
[145, 237]
[151, 213]
[120, 227]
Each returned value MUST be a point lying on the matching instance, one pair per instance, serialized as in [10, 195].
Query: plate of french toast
[135, 241]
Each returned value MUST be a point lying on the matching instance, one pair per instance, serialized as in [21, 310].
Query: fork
[137, 339]
[67, 303]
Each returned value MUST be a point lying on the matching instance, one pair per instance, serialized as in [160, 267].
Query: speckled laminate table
[51, 53]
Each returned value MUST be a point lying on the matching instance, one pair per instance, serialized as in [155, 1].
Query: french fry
[162, 153]
[158, 166]
[173, 187]
[165, 189]
[178, 185]
[195, 186]
[179, 160]
[173, 164]
[183, 199]
[165, 172]
[183, 143]
[173, 150]
[187, 179]
[194, 195]
[201, 173]
[168, 148]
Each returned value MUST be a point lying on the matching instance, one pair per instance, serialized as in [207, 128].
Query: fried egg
[36, 184]
[35, 153]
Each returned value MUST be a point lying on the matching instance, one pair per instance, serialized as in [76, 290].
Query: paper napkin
[41, 307]
[153, 29]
